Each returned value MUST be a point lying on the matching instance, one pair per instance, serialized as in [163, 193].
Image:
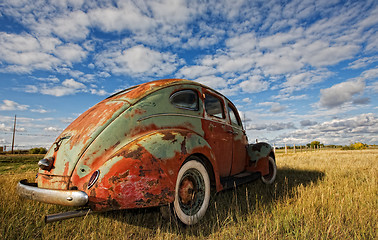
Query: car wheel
[192, 192]
[271, 176]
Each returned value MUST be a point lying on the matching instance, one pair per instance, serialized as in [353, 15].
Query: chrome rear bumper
[73, 198]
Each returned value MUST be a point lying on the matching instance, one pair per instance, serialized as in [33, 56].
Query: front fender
[143, 173]
[259, 157]
[258, 151]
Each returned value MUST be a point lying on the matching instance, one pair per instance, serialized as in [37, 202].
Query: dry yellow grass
[317, 195]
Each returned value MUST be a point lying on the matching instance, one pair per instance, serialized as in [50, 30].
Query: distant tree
[356, 146]
[315, 144]
[38, 151]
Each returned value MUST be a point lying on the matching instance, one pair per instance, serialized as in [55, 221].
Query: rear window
[185, 99]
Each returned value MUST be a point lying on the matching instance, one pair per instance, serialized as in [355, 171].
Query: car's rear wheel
[271, 176]
[192, 192]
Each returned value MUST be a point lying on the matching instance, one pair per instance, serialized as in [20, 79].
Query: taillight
[46, 163]
[93, 178]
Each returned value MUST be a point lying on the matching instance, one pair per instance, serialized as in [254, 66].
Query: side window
[185, 99]
[233, 116]
[213, 106]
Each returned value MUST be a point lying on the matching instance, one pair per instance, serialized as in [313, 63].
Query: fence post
[285, 149]
[294, 148]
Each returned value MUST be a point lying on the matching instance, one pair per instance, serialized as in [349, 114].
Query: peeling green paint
[162, 147]
[83, 170]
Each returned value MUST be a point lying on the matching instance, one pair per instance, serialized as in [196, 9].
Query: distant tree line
[40, 150]
[318, 145]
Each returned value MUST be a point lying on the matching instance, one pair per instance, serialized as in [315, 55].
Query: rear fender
[143, 173]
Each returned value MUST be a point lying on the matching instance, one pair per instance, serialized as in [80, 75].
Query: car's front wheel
[192, 192]
[271, 176]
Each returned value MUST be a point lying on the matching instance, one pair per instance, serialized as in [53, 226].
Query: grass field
[317, 195]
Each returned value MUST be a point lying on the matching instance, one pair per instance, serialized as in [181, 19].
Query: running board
[239, 179]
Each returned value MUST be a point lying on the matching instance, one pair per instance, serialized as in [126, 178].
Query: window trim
[181, 91]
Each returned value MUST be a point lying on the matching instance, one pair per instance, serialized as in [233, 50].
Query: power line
[30, 134]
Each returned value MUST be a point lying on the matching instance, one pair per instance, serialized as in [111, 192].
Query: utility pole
[14, 132]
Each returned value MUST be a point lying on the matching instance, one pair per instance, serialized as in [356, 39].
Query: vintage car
[161, 143]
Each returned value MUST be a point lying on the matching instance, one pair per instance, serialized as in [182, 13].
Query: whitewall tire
[271, 176]
[192, 192]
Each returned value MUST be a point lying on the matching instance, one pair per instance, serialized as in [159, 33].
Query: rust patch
[86, 124]
[136, 154]
[120, 177]
[183, 147]
[168, 136]
[142, 172]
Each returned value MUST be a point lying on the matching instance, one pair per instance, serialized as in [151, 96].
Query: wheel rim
[191, 192]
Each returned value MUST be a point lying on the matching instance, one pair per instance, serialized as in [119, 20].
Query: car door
[239, 141]
[217, 131]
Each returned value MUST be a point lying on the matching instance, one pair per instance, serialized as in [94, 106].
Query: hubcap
[191, 192]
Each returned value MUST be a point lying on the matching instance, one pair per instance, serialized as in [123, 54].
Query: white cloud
[25, 53]
[341, 93]
[306, 123]
[172, 11]
[50, 78]
[9, 105]
[39, 110]
[193, 72]
[73, 26]
[275, 64]
[70, 53]
[68, 87]
[360, 128]
[212, 81]
[247, 100]
[254, 84]
[68, 25]
[271, 126]
[275, 107]
[320, 53]
[138, 61]
[244, 43]
[5, 128]
[100, 92]
[304, 79]
[52, 129]
[362, 62]
[126, 17]
[371, 74]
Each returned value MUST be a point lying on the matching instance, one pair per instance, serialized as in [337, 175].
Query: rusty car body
[159, 143]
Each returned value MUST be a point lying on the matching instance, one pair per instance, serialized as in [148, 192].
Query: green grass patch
[10, 164]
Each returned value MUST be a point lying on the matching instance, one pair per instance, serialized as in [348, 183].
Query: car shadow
[229, 205]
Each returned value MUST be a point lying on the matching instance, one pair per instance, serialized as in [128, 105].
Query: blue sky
[298, 71]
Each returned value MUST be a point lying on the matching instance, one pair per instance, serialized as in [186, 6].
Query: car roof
[135, 93]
